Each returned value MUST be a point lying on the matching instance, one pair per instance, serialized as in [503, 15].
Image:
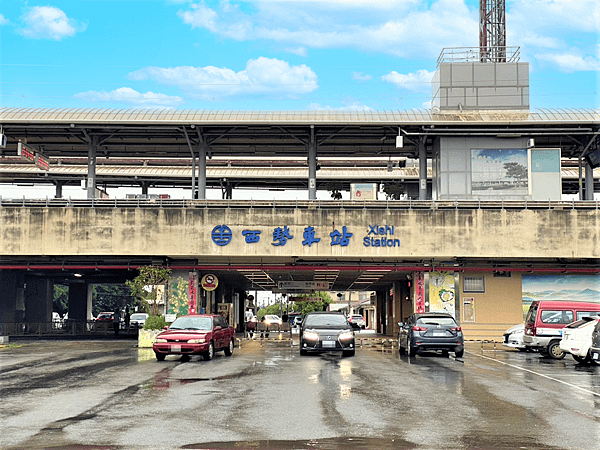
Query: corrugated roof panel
[224, 116]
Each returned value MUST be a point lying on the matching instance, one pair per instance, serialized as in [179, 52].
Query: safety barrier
[301, 204]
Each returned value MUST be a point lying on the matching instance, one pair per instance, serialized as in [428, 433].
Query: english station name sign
[376, 236]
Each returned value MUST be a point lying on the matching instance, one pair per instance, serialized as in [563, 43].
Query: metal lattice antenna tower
[492, 30]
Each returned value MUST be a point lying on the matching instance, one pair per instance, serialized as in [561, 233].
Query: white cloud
[300, 51]
[353, 106]
[402, 28]
[418, 81]
[48, 22]
[130, 97]
[361, 77]
[262, 76]
[3, 20]
[571, 62]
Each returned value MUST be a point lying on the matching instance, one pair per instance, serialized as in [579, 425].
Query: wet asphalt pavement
[112, 395]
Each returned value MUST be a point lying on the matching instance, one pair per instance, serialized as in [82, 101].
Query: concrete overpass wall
[384, 234]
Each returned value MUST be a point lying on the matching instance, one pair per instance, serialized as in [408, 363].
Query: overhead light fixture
[78, 275]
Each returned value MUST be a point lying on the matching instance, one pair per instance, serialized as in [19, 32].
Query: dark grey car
[431, 331]
[595, 348]
[326, 332]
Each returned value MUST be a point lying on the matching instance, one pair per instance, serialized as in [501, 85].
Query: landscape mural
[577, 288]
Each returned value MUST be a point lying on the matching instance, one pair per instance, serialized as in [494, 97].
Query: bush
[155, 323]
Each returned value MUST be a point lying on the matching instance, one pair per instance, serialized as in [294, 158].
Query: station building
[483, 227]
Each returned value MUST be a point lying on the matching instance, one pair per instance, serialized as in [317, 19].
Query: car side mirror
[166, 328]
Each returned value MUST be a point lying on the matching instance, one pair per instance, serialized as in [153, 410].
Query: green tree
[335, 188]
[393, 190]
[108, 297]
[307, 307]
[60, 303]
[145, 286]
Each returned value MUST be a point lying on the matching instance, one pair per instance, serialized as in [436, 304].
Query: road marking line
[539, 374]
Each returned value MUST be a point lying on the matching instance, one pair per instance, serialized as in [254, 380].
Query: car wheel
[459, 354]
[160, 356]
[229, 350]
[445, 353]
[210, 353]
[401, 349]
[303, 352]
[554, 350]
[412, 351]
[581, 359]
[348, 352]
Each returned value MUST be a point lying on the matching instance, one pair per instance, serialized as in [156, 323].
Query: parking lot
[110, 394]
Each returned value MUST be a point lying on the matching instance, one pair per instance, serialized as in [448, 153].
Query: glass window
[582, 314]
[557, 317]
[473, 284]
[325, 319]
[447, 321]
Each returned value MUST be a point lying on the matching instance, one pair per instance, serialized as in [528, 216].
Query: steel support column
[589, 181]
[202, 167]
[91, 171]
[312, 165]
[422, 169]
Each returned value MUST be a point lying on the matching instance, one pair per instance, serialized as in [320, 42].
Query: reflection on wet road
[111, 395]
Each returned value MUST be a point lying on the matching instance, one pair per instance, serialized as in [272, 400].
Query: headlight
[346, 335]
[160, 340]
[310, 336]
[196, 341]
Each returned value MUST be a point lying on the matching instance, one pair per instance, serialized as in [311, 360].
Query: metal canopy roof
[166, 133]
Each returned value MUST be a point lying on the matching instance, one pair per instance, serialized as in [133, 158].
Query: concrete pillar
[312, 165]
[8, 296]
[91, 173]
[78, 301]
[39, 294]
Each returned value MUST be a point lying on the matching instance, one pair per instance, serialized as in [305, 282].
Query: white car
[137, 320]
[577, 339]
[272, 319]
[513, 337]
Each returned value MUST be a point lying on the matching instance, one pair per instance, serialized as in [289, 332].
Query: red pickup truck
[198, 334]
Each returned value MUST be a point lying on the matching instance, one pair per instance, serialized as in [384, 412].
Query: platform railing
[302, 204]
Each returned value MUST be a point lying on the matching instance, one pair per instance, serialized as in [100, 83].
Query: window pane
[473, 284]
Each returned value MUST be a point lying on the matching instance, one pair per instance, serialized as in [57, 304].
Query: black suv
[595, 348]
[431, 331]
[325, 332]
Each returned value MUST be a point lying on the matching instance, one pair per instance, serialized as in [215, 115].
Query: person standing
[116, 321]
[127, 317]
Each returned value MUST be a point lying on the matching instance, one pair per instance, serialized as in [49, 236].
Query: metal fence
[300, 204]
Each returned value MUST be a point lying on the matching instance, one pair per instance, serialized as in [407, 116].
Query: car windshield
[325, 320]
[192, 323]
[443, 321]
[138, 316]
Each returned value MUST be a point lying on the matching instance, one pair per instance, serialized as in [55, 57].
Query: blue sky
[278, 55]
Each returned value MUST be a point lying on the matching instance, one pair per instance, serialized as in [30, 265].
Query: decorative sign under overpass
[305, 299]
[303, 285]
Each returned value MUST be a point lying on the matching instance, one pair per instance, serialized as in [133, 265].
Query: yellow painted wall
[497, 309]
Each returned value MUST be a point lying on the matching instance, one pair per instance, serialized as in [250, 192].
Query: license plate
[176, 348]
[329, 344]
[594, 355]
[439, 333]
